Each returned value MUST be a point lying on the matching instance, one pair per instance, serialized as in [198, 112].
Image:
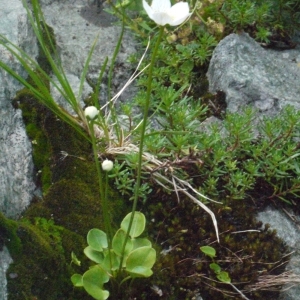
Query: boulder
[77, 24]
[266, 80]
[250, 75]
[16, 166]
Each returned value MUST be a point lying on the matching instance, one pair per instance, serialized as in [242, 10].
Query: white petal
[148, 9]
[179, 13]
[161, 5]
[161, 18]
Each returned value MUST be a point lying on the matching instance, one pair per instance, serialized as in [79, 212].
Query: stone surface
[251, 75]
[266, 80]
[75, 36]
[5, 260]
[289, 231]
[16, 166]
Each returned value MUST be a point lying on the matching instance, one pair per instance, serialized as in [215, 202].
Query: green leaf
[93, 255]
[140, 261]
[224, 277]
[97, 239]
[187, 66]
[140, 272]
[141, 242]
[138, 224]
[175, 78]
[112, 262]
[118, 242]
[77, 280]
[93, 281]
[209, 251]
[215, 267]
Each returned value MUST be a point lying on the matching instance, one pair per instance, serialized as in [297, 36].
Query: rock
[16, 166]
[5, 261]
[289, 232]
[75, 36]
[74, 82]
[251, 75]
[266, 80]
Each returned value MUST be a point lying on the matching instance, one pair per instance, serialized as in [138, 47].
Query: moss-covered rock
[57, 223]
[9, 236]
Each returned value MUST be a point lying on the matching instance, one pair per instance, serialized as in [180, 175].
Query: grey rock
[74, 82]
[16, 167]
[5, 261]
[266, 80]
[288, 230]
[251, 75]
[75, 36]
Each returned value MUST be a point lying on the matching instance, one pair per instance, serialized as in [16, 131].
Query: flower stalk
[102, 188]
[141, 146]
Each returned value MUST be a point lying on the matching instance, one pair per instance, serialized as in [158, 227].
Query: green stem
[143, 129]
[110, 75]
[102, 189]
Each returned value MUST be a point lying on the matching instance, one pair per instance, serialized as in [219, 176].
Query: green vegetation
[179, 160]
[139, 258]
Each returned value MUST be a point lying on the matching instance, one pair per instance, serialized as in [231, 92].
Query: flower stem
[141, 146]
[102, 188]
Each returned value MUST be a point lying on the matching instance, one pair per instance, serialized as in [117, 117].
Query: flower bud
[172, 38]
[107, 165]
[91, 112]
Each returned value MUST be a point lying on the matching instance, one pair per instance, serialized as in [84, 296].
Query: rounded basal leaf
[97, 239]
[138, 224]
[118, 242]
[93, 255]
[224, 277]
[140, 272]
[112, 262]
[209, 251]
[93, 280]
[77, 280]
[215, 267]
[140, 261]
[141, 242]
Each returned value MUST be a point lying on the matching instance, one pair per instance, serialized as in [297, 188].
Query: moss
[8, 235]
[56, 224]
[183, 271]
[33, 115]
[43, 270]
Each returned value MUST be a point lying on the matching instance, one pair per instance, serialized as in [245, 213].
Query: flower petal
[148, 9]
[161, 18]
[161, 5]
[179, 13]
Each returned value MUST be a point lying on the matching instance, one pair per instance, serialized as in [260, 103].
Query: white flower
[162, 13]
[107, 165]
[91, 112]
